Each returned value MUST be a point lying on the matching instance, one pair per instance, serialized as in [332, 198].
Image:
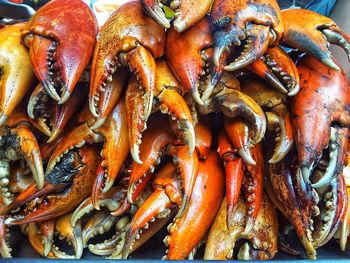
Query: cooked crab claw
[5, 249]
[157, 143]
[187, 230]
[52, 118]
[277, 113]
[16, 74]
[259, 244]
[234, 172]
[170, 101]
[18, 141]
[110, 97]
[77, 169]
[185, 12]
[239, 135]
[320, 118]
[47, 230]
[112, 133]
[112, 200]
[58, 59]
[128, 38]
[189, 55]
[285, 187]
[73, 235]
[246, 27]
[314, 34]
[278, 69]
[35, 238]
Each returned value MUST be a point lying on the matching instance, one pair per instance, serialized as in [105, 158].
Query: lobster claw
[59, 59]
[77, 169]
[278, 69]
[16, 75]
[260, 243]
[313, 35]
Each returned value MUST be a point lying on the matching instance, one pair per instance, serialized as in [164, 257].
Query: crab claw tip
[247, 157]
[3, 119]
[134, 151]
[65, 97]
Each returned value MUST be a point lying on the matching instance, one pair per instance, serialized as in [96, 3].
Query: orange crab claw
[5, 250]
[278, 69]
[234, 172]
[35, 239]
[166, 195]
[110, 97]
[313, 35]
[170, 101]
[81, 165]
[238, 133]
[326, 92]
[186, 232]
[27, 147]
[16, 74]
[156, 138]
[61, 37]
[188, 54]
[47, 230]
[186, 12]
[52, 119]
[113, 133]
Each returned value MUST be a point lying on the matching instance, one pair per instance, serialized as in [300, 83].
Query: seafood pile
[185, 115]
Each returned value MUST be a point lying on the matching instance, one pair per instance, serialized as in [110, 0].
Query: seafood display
[184, 115]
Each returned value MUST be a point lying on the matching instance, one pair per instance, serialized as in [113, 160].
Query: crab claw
[313, 35]
[27, 146]
[109, 98]
[186, 12]
[187, 232]
[113, 133]
[59, 59]
[234, 103]
[166, 195]
[52, 119]
[156, 138]
[285, 187]
[238, 134]
[256, 46]
[326, 92]
[112, 200]
[278, 69]
[47, 230]
[170, 101]
[188, 55]
[332, 209]
[234, 172]
[16, 74]
[259, 244]
[36, 241]
[77, 168]
[5, 249]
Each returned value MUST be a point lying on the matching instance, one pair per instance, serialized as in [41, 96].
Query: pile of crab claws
[16, 75]
[313, 35]
[59, 59]
[278, 69]
[186, 13]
